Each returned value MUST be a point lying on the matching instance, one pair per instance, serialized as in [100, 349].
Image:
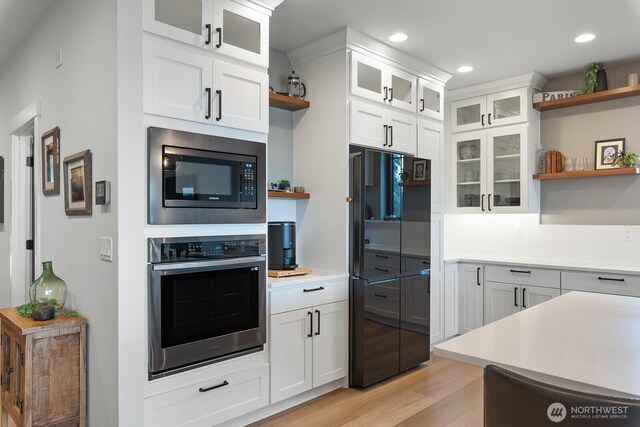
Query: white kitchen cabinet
[471, 294]
[496, 109]
[240, 97]
[431, 146]
[377, 127]
[430, 100]
[377, 81]
[450, 300]
[504, 299]
[436, 312]
[329, 341]
[491, 170]
[177, 81]
[534, 295]
[224, 26]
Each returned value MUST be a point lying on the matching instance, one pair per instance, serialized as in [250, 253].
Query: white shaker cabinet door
[177, 81]
[330, 342]
[240, 97]
[431, 146]
[534, 295]
[291, 353]
[500, 300]
[470, 282]
[368, 125]
[402, 132]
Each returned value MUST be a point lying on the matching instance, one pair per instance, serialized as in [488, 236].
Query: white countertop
[605, 267]
[580, 340]
[314, 276]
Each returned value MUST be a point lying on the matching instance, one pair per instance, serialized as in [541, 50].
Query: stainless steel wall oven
[207, 300]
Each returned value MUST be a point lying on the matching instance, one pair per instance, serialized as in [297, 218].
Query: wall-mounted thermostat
[103, 192]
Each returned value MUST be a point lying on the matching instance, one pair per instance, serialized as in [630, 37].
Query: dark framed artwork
[419, 170]
[607, 151]
[1, 190]
[77, 184]
[51, 162]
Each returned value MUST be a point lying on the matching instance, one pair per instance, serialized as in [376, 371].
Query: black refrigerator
[390, 213]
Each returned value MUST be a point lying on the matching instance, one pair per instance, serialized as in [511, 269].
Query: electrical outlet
[627, 234]
[106, 249]
[519, 232]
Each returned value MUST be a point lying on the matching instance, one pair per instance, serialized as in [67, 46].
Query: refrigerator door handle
[356, 208]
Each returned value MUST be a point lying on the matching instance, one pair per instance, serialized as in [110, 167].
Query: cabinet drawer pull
[219, 92]
[521, 271]
[208, 90]
[478, 276]
[426, 262]
[318, 331]
[482, 120]
[524, 304]
[482, 204]
[390, 94]
[391, 136]
[204, 390]
[386, 93]
[515, 296]
[381, 269]
[611, 279]
[380, 295]
[208, 41]
[319, 288]
[381, 256]
[219, 31]
[386, 135]
[422, 105]
[310, 334]
[489, 119]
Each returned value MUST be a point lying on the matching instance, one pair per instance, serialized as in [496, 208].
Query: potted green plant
[593, 77]
[284, 184]
[626, 159]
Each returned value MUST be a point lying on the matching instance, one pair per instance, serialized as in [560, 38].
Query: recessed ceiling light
[465, 69]
[583, 38]
[398, 37]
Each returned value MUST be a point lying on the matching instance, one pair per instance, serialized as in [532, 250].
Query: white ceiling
[499, 38]
[17, 19]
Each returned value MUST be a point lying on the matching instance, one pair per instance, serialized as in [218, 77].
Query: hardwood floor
[439, 393]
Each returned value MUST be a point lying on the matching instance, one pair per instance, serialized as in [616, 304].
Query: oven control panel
[249, 186]
[197, 248]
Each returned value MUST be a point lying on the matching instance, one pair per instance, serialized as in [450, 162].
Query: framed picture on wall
[77, 184]
[419, 170]
[607, 151]
[51, 162]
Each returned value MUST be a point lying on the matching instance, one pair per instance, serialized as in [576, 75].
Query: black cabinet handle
[204, 390]
[208, 41]
[611, 279]
[386, 93]
[208, 116]
[489, 119]
[310, 334]
[380, 295]
[524, 303]
[422, 105]
[219, 93]
[521, 271]
[391, 137]
[482, 120]
[219, 31]
[318, 312]
[381, 256]
[515, 296]
[381, 269]
[386, 135]
[319, 288]
[478, 276]
[426, 262]
[489, 202]
[482, 204]
[390, 94]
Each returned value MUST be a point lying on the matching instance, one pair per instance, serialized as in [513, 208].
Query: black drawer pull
[319, 288]
[310, 334]
[611, 279]
[381, 269]
[521, 271]
[208, 90]
[219, 93]
[381, 256]
[426, 262]
[204, 390]
[318, 331]
[219, 31]
[380, 295]
[524, 303]
[515, 296]
[208, 41]
[478, 276]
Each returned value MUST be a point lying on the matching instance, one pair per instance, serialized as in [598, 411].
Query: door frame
[23, 127]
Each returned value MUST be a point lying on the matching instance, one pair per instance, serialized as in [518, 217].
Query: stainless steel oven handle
[204, 264]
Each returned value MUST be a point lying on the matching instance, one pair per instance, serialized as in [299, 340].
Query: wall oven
[207, 300]
[203, 179]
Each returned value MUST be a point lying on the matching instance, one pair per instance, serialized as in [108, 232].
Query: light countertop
[580, 340]
[314, 276]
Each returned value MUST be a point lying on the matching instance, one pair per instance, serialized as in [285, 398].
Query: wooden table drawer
[381, 259]
[231, 396]
[606, 283]
[520, 275]
[308, 295]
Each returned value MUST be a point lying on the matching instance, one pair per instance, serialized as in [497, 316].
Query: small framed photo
[419, 170]
[607, 152]
[51, 162]
[77, 184]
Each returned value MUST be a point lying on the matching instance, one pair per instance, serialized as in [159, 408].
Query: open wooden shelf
[285, 102]
[424, 183]
[285, 195]
[587, 174]
[589, 98]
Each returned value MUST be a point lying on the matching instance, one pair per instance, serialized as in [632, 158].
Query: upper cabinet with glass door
[377, 81]
[430, 100]
[224, 26]
[498, 109]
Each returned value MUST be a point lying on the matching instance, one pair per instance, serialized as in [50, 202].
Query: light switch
[106, 249]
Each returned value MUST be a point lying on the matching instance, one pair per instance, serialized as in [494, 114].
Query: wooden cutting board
[289, 273]
[554, 161]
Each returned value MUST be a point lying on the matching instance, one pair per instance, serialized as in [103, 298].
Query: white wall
[80, 98]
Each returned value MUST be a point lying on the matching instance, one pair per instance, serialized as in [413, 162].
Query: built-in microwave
[203, 179]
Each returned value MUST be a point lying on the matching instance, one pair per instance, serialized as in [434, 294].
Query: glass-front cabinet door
[187, 21]
[367, 79]
[468, 154]
[402, 92]
[506, 169]
[240, 32]
[430, 100]
[508, 107]
[468, 114]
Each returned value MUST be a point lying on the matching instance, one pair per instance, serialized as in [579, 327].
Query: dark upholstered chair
[513, 400]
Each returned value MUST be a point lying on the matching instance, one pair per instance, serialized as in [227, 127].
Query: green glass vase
[48, 289]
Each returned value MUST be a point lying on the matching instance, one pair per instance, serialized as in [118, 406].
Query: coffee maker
[282, 245]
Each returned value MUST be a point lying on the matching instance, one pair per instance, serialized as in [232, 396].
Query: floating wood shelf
[424, 183]
[589, 98]
[285, 102]
[285, 195]
[587, 174]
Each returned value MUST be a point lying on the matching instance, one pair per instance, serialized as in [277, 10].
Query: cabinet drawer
[242, 392]
[416, 264]
[381, 259]
[606, 283]
[296, 298]
[381, 303]
[522, 275]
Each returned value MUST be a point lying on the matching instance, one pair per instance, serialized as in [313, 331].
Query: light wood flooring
[440, 392]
